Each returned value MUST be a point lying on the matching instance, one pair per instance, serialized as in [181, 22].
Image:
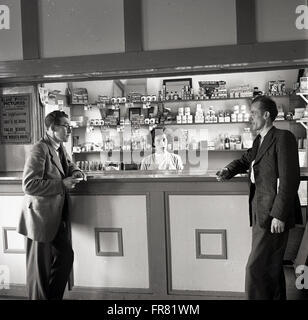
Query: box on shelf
[303, 84]
[78, 96]
[277, 88]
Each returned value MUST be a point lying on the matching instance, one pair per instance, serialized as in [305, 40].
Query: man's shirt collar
[56, 145]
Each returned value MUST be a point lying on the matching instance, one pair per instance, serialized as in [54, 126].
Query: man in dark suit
[48, 175]
[274, 205]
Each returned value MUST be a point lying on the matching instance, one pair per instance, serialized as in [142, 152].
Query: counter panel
[12, 244]
[209, 239]
[110, 241]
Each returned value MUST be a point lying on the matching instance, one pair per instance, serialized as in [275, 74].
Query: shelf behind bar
[184, 124]
[176, 101]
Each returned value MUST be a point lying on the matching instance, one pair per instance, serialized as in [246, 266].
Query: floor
[292, 292]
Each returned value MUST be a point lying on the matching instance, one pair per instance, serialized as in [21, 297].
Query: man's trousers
[264, 270]
[49, 265]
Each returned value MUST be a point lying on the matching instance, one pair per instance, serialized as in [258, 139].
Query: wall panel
[188, 23]
[276, 20]
[10, 39]
[77, 27]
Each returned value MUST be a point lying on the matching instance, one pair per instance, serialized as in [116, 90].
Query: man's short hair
[267, 104]
[54, 117]
[157, 131]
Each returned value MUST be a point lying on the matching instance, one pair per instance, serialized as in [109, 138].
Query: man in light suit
[48, 175]
[274, 205]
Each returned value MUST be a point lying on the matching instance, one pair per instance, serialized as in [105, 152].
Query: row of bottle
[90, 165]
[232, 142]
[187, 93]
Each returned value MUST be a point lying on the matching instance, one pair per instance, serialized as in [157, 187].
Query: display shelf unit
[182, 124]
[123, 110]
[303, 121]
[175, 101]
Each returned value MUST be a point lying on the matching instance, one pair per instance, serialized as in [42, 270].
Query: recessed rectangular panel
[126, 267]
[185, 24]
[78, 27]
[211, 244]
[13, 241]
[109, 241]
[10, 30]
[288, 23]
[12, 244]
[212, 266]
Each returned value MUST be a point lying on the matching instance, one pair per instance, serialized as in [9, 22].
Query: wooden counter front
[163, 237]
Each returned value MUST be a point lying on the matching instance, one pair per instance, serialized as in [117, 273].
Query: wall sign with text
[15, 126]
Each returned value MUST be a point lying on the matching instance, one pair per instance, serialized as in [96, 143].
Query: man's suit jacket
[277, 178]
[44, 192]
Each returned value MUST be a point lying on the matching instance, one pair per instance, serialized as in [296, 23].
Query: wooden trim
[157, 244]
[6, 249]
[210, 294]
[30, 29]
[133, 25]
[231, 58]
[168, 242]
[246, 21]
[20, 292]
[222, 232]
[98, 250]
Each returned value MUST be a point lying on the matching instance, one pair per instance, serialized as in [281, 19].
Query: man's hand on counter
[222, 174]
[79, 175]
[70, 182]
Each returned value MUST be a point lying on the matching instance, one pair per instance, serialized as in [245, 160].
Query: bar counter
[209, 175]
[145, 235]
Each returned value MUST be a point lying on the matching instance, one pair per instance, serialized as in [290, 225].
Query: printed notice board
[15, 126]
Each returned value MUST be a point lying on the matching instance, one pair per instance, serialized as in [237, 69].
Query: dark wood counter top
[147, 176]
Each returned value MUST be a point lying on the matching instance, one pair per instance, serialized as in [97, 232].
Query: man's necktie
[255, 148]
[63, 160]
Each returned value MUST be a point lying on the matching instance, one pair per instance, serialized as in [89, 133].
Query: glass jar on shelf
[247, 138]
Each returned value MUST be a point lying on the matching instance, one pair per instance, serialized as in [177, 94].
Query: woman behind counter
[161, 159]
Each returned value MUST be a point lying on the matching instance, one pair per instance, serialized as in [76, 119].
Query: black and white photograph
[153, 153]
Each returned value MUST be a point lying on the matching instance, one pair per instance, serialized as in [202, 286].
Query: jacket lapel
[54, 158]
[267, 142]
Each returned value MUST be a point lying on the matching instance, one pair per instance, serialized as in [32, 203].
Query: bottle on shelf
[221, 116]
[247, 138]
[175, 95]
[227, 117]
[227, 142]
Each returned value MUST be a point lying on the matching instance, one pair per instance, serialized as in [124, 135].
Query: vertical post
[133, 25]
[246, 21]
[30, 29]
